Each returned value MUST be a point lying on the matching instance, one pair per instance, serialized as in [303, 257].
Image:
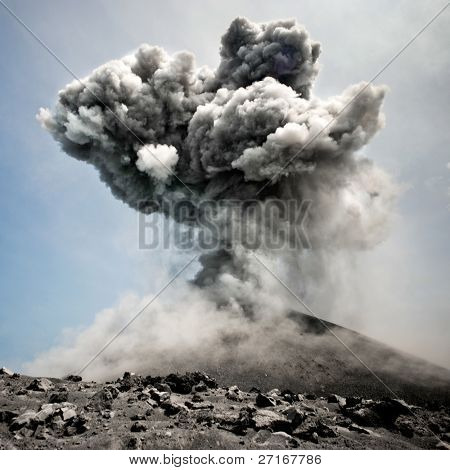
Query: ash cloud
[229, 134]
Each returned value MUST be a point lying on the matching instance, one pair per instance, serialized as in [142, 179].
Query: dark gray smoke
[226, 133]
[160, 129]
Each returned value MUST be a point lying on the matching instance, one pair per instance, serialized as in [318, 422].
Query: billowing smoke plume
[160, 129]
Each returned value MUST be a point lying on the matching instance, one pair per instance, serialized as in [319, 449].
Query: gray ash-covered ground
[192, 411]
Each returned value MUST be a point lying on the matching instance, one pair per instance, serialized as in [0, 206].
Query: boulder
[267, 419]
[47, 411]
[337, 399]
[196, 398]
[354, 427]
[405, 426]
[77, 425]
[7, 416]
[138, 427]
[364, 416]
[294, 415]
[23, 420]
[152, 403]
[73, 378]
[172, 409]
[41, 385]
[352, 401]
[163, 387]
[289, 396]
[390, 409]
[138, 417]
[325, 431]
[306, 433]
[200, 377]
[133, 443]
[376, 413]
[233, 393]
[159, 397]
[104, 397]
[58, 397]
[41, 433]
[183, 383]
[68, 413]
[201, 387]
[264, 401]
[310, 429]
[281, 439]
[128, 381]
[108, 414]
[7, 372]
[204, 405]
[237, 423]
[179, 383]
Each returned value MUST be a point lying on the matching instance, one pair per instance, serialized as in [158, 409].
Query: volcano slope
[318, 397]
[323, 357]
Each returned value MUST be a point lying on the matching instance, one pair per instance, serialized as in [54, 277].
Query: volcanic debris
[193, 411]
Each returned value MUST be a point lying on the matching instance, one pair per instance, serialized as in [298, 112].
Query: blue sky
[69, 249]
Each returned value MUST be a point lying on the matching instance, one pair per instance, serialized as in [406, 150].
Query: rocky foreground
[191, 411]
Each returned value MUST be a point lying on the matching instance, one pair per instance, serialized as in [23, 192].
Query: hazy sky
[65, 241]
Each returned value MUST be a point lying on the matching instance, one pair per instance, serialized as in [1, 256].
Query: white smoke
[157, 160]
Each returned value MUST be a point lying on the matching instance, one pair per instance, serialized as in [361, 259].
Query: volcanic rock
[180, 383]
[159, 397]
[201, 387]
[5, 371]
[294, 415]
[309, 429]
[264, 401]
[77, 425]
[354, 427]
[289, 396]
[41, 433]
[163, 387]
[40, 385]
[74, 378]
[376, 413]
[172, 409]
[233, 393]
[237, 424]
[204, 405]
[25, 419]
[128, 381]
[405, 426]
[138, 418]
[104, 397]
[352, 401]
[58, 397]
[138, 427]
[193, 422]
[341, 401]
[267, 419]
[7, 416]
[68, 413]
[282, 439]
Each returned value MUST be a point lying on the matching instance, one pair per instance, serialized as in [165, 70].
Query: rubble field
[191, 411]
